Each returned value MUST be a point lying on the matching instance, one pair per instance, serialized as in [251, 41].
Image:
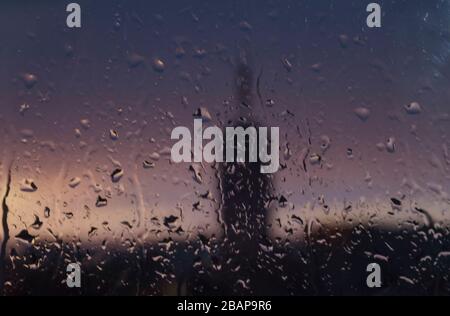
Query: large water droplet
[362, 113]
[158, 65]
[413, 108]
[28, 185]
[29, 80]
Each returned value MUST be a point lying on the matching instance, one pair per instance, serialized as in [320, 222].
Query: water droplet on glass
[390, 144]
[116, 175]
[362, 113]
[85, 123]
[74, 182]
[29, 80]
[25, 236]
[315, 159]
[114, 135]
[196, 170]
[287, 64]
[325, 142]
[203, 113]
[134, 60]
[180, 52]
[171, 221]
[158, 65]
[270, 103]
[47, 212]
[148, 164]
[344, 40]
[413, 108]
[245, 26]
[101, 202]
[28, 185]
[23, 108]
[37, 224]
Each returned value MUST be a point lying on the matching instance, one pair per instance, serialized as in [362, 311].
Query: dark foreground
[332, 263]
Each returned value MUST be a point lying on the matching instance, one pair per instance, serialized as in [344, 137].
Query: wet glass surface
[86, 116]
